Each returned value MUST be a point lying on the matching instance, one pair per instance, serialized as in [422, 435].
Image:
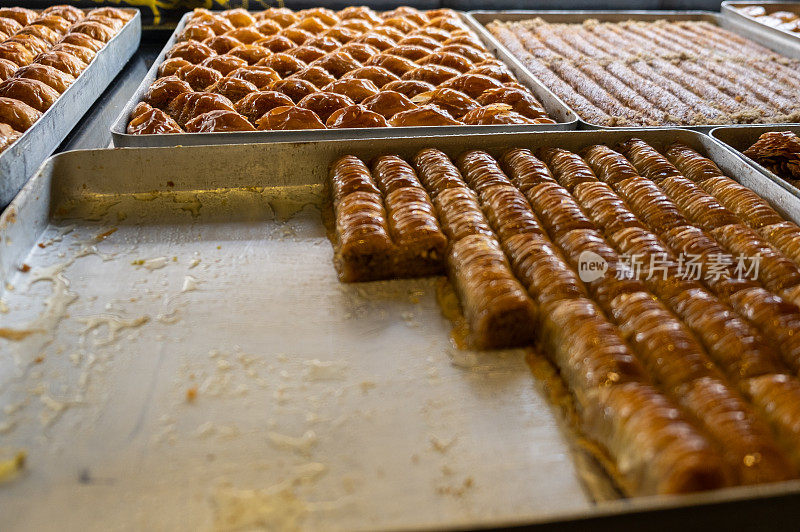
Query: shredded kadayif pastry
[679, 383]
[656, 73]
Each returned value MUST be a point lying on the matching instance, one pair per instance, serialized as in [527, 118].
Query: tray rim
[475, 18]
[123, 139]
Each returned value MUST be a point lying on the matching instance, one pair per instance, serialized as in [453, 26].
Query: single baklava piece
[289, 117]
[30, 91]
[454, 102]
[63, 61]
[604, 207]
[412, 219]
[650, 204]
[17, 114]
[355, 89]
[496, 306]
[363, 250]
[198, 77]
[150, 121]
[8, 135]
[189, 105]
[700, 208]
[224, 64]
[324, 104]
[316, 75]
[355, 116]
[294, 88]
[84, 54]
[556, 209]
[233, 88]
[377, 75]
[524, 169]
[218, 121]
[256, 104]
[520, 100]
[388, 103]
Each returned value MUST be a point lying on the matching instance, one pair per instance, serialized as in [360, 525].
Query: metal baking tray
[729, 10]
[479, 19]
[555, 108]
[739, 138]
[23, 158]
[179, 352]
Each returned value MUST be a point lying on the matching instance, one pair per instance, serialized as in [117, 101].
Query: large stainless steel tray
[479, 19]
[318, 405]
[555, 108]
[730, 10]
[24, 157]
[739, 138]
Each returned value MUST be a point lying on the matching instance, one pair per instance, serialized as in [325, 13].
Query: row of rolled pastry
[41, 55]
[656, 73]
[318, 69]
[683, 383]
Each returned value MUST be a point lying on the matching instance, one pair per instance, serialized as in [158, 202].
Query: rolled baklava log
[778, 319]
[778, 397]
[774, 269]
[739, 199]
[654, 448]
[437, 172]
[363, 249]
[691, 164]
[413, 225]
[567, 167]
[604, 207]
[496, 306]
[701, 208]
[542, 270]
[525, 170]
[785, 236]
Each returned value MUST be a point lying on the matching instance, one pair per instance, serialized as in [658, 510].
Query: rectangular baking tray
[739, 138]
[318, 404]
[479, 19]
[729, 10]
[555, 108]
[23, 158]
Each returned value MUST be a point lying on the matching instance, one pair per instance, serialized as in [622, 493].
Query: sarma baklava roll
[525, 170]
[613, 168]
[772, 267]
[785, 236]
[700, 208]
[742, 201]
[363, 249]
[650, 204]
[691, 164]
[496, 306]
[437, 172]
[655, 449]
[460, 214]
[777, 319]
[413, 225]
[567, 167]
[647, 161]
[542, 270]
[708, 261]
[508, 212]
[603, 271]
[587, 348]
[746, 441]
[556, 209]
[778, 398]
[606, 209]
[481, 171]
